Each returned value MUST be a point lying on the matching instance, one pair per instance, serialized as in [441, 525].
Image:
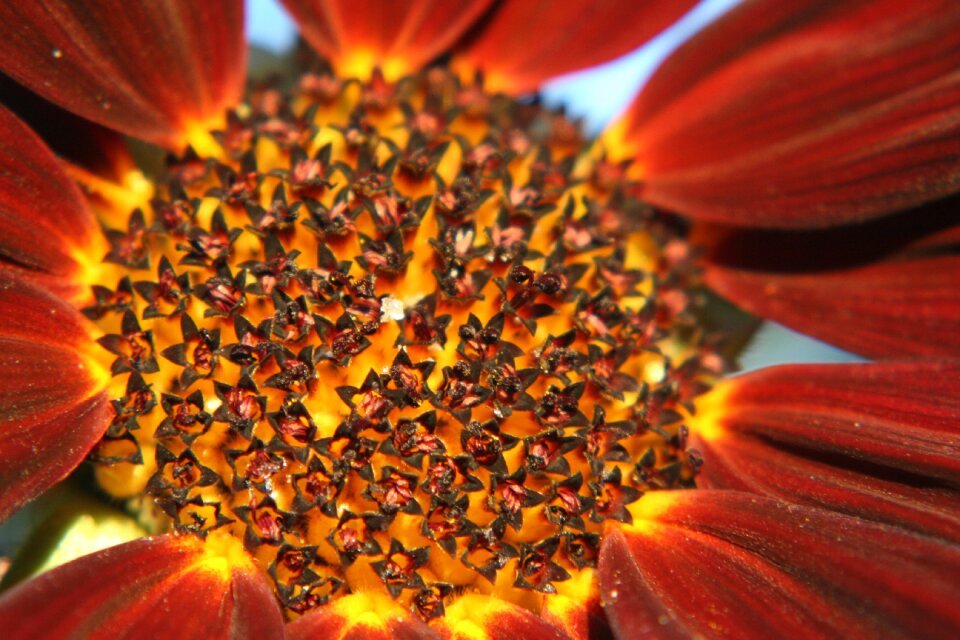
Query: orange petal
[778, 115]
[360, 616]
[160, 587]
[578, 610]
[527, 42]
[51, 398]
[726, 564]
[45, 226]
[878, 440]
[399, 36]
[152, 70]
[480, 617]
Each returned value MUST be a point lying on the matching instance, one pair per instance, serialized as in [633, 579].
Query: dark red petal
[929, 228]
[481, 617]
[160, 587]
[361, 616]
[882, 288]
[880, 440]
[153, 70]
[727, 564]
[70, 137]
[903, 307]
[399, 36]
[45, 226]
[51, 392]
[805, 113]
[527, 42]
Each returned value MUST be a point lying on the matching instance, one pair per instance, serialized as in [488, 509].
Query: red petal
[480, 617]
[399, 36]
[527, 42]
[160, 587]
[153, 70]
[881, 288]
[903, 307]
[726, 564]
[579, 612]
[779, 115]
[360, 616]
[51, 396]
[880, 440]
[70, 137]
[44, 223]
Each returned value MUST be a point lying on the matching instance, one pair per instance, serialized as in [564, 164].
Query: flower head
[384, 351]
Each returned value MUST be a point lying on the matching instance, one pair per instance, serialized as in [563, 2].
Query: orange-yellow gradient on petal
[371, 616]
[47, 233]
[152, 70]
[774, 115]
[730, 564]
[806, 433]
[527, 42]
[52, 390]
[162, 586]
[398, 36]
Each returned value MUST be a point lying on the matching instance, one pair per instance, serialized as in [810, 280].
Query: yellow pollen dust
[222, 554]
[407, 339]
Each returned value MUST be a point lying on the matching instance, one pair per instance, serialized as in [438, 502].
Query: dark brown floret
[393, 330]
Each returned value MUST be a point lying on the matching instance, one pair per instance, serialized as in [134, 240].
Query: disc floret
[404, 337]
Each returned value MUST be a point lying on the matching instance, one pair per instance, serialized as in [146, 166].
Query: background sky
[598, 95]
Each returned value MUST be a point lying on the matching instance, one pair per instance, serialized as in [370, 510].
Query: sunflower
[383, 350]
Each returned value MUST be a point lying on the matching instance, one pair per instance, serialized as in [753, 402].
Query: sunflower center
[406, 337]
